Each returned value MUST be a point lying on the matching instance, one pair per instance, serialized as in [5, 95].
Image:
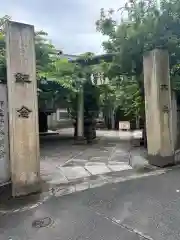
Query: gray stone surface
[56, 179]
[142, 209]
[74, 172]
[60, 191]
[76, 162]
[95, 164]
[82, 186]
[97, 169]
[119, 167]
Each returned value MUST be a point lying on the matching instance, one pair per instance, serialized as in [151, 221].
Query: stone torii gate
[20, 137]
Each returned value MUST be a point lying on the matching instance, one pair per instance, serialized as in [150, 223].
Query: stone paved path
[67, 167]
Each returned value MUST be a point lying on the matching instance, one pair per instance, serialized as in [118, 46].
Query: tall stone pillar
[80, 115]
[158, 106]
[23, 109]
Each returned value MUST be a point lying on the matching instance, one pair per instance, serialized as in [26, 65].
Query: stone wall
[55, 121]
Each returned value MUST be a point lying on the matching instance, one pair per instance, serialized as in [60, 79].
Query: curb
[59, 191]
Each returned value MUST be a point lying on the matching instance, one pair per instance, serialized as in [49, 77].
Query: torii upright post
[23, 108]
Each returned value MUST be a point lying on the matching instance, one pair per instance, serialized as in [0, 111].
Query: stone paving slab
[58, 179]
[121, 151]
[101, 182]
[119, 167]
[82, 186]
[95, 164]
[75, 162]
[99, 158]
[63, 191]
[138, 161]
[97, 169]
[73, 173]
[120, 158]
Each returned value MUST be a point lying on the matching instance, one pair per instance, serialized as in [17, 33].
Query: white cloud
[70, 23]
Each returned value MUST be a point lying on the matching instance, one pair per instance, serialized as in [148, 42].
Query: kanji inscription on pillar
[164, 87]
[24, 112]
[165, 109]
[22, 78]
[2, 131]
[4, 136]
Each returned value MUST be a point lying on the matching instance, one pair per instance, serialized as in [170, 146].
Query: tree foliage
[48, 67]
[43, 47]
[144, 26]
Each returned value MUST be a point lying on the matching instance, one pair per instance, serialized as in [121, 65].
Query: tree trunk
[80, 114]
[144, 137]
[140, 81]
[43, 123]
[89, 130]
[137, 122]
[75, 129]
[108, 118]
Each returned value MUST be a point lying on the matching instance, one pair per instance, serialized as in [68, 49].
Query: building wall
[59, 119]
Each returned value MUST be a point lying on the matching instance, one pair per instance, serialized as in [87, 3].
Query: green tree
[2, 49]
[145, 25]
[43, 47]
[47, 66]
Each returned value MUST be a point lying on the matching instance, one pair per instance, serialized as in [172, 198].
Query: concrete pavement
[143, 209]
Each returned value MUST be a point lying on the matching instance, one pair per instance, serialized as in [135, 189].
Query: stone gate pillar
[158, 107]
[23, 109]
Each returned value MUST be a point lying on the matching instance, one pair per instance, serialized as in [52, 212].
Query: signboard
[125, 125]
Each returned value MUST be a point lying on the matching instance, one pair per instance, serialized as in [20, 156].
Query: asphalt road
[146, 208]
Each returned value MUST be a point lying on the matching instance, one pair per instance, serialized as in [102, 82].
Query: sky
[69, 23]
